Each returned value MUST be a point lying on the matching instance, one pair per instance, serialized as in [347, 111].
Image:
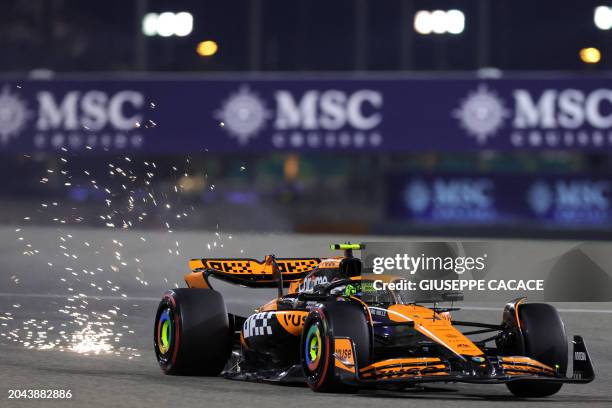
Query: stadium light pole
[360, 45]
[140, 42]
[255, 35]
[406, 40]
[484, 11]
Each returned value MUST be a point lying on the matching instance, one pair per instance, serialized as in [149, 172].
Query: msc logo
[468, 193]
[540, 197]
[417, 196]
[60, 119]
[570, 196]
[93, 110]
[14, 115]
[243, 115]
[314, 118]
[328, 110]
[482, 113]
[552, 117]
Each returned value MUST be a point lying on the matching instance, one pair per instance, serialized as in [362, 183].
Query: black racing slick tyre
[192, 332]
[334, 319]
[545, 341]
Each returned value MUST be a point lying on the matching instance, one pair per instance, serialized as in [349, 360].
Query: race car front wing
[430, 369]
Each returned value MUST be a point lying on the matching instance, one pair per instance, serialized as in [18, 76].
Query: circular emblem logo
[243, 115]
[482, 113]
[13, 115]
[417, 196]
[540, 197]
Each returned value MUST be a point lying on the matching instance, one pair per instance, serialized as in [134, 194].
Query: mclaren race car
[332, 330]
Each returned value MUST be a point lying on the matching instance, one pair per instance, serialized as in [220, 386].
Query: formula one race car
[336, 333]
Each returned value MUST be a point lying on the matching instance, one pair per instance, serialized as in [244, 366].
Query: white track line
[156, 299]
[52, 296]
[605, 311]
[55, 296]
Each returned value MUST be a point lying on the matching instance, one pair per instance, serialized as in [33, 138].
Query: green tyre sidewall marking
[313, 348]
[165, 332]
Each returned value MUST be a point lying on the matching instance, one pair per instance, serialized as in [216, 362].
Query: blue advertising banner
[570, 201]
[233, 114]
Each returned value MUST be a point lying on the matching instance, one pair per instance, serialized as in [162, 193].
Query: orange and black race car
[335, 332]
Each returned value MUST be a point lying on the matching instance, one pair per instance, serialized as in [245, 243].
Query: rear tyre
[334, 319]
[192, 332]
[544, 341]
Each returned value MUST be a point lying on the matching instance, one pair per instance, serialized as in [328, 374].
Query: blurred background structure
[473, 117]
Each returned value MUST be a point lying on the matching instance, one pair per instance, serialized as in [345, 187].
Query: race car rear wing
[270, 273]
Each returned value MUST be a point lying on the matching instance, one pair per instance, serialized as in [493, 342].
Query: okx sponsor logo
[551, 118]
[314, 118]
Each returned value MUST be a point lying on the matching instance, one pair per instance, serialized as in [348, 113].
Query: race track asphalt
[83, 290]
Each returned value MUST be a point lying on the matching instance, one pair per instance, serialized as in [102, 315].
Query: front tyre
[334, 319]
[192, 332]
[544, 341]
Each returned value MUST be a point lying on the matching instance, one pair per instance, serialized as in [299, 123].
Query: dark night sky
[73, 35]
